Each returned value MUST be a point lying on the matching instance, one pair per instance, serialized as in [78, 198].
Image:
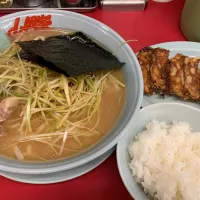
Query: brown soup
[77, 131]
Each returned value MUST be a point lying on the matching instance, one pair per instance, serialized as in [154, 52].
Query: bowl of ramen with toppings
[69, 86]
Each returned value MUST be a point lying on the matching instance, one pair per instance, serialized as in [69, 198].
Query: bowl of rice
[159, 157]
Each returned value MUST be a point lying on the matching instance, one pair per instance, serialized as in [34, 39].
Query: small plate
[188, 49]
[58, 176]
[162, 112]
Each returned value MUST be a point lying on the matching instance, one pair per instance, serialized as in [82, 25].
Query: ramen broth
[111, 105]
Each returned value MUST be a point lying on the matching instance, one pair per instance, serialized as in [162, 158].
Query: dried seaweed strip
[176, 79]
[191, 81]
[145, 57]
[159, 69]
[71, 55]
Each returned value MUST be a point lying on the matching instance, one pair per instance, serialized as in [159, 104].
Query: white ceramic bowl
[133, 77]
[161, 112]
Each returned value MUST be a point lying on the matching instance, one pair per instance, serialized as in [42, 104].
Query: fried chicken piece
[199, 81]
[145, 57]
[176, 78]
[191, 81]
[159, 69]
[179, 76]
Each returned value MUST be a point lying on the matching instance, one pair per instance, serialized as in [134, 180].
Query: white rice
[165, 160]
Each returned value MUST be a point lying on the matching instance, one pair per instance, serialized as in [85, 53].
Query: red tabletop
[159, 23]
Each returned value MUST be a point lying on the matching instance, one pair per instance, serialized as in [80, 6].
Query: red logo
[31, 23]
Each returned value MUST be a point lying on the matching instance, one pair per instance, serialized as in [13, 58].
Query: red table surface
[159, 23]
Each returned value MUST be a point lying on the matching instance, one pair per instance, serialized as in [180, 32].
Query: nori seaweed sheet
[71, 55]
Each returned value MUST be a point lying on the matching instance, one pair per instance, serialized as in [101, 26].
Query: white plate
[58, 176]
[187, 48]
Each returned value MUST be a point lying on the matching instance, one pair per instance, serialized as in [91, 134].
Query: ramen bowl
[134, 83]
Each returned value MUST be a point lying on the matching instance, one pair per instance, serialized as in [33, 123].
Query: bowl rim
[86, 157]
[118, 149]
